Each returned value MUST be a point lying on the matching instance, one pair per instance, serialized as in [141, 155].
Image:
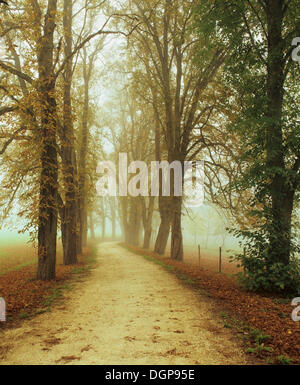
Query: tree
[47, 229]
[42, 121]
[262, 76]
[69, 209]
[170, 45]
[88, 66]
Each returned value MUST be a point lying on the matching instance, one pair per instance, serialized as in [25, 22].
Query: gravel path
[127, 311]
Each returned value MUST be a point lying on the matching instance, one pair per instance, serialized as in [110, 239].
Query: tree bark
[163, 202]
[70, 218]
[176, 240]
[103, 227]
[147, 214]
[282, 194]
[113, 218]
[47, 222]
[134, 222]
[82, 159]
[92, 228]
[164, 227]
[123, 202]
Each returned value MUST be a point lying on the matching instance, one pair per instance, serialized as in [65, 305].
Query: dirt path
[128, 311]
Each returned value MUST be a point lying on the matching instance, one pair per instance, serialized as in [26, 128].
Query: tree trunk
[113, 217]
[134, 222]
[176, 241]
[70, 250]
[163, 202]
[61, 210]
[79, 228]
[84, 229]
[82, 158]
[47, 227]
[176, 206]
[113, 226]
[164, 228]
[63, 228]
[147, 237]
[123, 208]
[103, 227]
[279, 249]
[147, 214]
[47, 221]
[280, 191]
[92, 228]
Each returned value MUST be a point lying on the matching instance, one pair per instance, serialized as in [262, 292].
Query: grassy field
[18, 253]
[209, 259]
[16, 256]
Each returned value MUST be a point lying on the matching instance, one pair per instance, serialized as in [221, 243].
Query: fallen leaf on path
[85, 349]
[68, 358]
[127, 338]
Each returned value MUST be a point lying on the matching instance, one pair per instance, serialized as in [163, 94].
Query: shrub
[262, 274]
[272, 277]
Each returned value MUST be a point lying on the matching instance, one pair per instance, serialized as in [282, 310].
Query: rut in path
[128, 311]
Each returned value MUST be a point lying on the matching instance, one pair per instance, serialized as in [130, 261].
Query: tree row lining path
[127, 311]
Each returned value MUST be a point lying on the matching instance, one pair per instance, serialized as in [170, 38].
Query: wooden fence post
[220, 259]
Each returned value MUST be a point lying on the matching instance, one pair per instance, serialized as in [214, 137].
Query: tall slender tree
[263, 80]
